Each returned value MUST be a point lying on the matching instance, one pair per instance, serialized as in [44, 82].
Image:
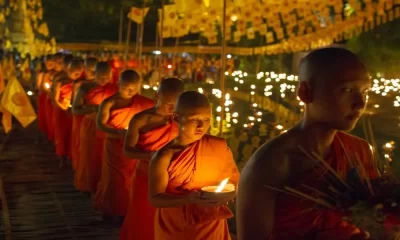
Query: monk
[63, 118]
[148, 131]
[46, 86]
[90, 95]
[113, 192]
[49, 64]
[90, 65]
[182, 167]
[333, 84]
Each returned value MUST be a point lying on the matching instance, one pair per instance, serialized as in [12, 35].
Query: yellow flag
[16, 102]
[138, 14]
[6, 119]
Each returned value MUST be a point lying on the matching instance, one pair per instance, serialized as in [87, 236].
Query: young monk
[63, 118]
[113, 192]
[46, 86]
[90, 95]
[90, 65]
[148, 131]
[49, 64]
[333, 84]
[181, 168]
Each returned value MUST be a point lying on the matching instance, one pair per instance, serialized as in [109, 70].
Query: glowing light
[234, 18]
[388, 145]
[155, 88]
[200, 90]
[376, 106]
[218, 118]
[279, 127]
[169, 66]
[47, 85]
[30, 93]
[146, 86]
[222, 185]
[229, 56]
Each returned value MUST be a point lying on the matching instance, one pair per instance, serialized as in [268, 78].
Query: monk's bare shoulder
[272, 162]
[110, 101]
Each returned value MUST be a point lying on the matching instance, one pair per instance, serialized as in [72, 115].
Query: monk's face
[50, 64]
[337, 98]
[166, 102]
[75, 73]
[103, 78]
[59, 64]
[194, 123]
[90, 72]
[128, 89]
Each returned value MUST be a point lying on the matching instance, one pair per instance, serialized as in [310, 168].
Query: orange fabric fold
[75, 139]
[139, 221]
[88, 168]
[50, 119]
[42, 118]
[63, 122]
[297, 218]
[205, 163]
[113, 192]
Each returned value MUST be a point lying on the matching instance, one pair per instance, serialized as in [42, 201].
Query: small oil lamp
[222, 191]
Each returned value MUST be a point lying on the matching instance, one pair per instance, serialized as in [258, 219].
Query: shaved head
[327, 62]
[76, 64]
[103, 68]
[191, 100]
[130, 76]
[171, 86]
[91, 62]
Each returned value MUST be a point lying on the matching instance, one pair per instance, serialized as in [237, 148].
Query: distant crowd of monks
[146, 160]
[110, 133]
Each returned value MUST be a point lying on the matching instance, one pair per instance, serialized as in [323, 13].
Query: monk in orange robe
[113, 192]
[333, 84]
[90, 95]
[63, 118]
[148, 131]
[42, 97]
[181, 168]
[90, 65]
[46, 86]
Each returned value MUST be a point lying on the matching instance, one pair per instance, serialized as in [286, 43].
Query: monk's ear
[304, 92]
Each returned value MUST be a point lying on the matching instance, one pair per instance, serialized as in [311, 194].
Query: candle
[47, 85]
[222, 185]
[222, 191]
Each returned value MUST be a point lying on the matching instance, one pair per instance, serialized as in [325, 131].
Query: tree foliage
[380, 49]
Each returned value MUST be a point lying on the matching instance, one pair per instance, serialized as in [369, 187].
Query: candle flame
[47, 85]
[222, 185]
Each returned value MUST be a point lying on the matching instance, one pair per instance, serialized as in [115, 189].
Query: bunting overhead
[282, 25]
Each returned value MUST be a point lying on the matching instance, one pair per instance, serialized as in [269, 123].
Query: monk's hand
[196, 198]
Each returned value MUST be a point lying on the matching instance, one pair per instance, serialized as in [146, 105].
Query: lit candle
[47, 85]
[222, 185]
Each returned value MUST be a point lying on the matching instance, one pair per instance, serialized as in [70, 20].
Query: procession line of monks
[110, 133]
[147, 160]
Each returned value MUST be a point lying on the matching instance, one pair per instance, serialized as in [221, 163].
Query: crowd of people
[144, 161]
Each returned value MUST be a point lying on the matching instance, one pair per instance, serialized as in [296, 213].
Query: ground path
[42, 201]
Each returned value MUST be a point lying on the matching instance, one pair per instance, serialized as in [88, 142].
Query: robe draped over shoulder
[298, 218]
[139, 221]
[205, 163]
[114, 188]
[42, 119]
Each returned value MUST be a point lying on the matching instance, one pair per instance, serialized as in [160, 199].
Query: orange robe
[42, 118]
[63, 121]
[205, 163]
[139, 221]
[91, 142]
[297, 218]
[114, 189]
[50, 118]
[75, 139]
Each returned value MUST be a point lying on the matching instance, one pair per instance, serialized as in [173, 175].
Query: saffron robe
[91, 142]
[63, 121]
[42, 115]
[205, 163]
[297, 218]
[139, 221]
[50, 118]
[113, 192]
